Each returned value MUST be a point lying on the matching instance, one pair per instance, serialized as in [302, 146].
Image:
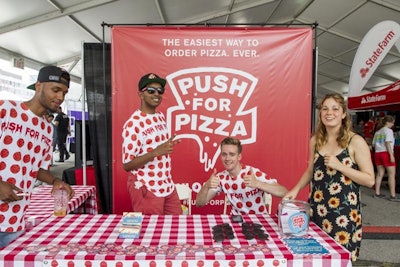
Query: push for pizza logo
[16, 128]
[153, 130]
[211, 105]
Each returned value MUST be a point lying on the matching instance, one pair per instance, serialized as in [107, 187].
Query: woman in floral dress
[340, 162]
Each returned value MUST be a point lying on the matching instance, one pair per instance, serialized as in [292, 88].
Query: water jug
[293, 217]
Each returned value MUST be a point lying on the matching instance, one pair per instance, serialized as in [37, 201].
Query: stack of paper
[131, 225]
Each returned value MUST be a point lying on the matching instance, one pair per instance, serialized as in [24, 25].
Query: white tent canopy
[52, 32]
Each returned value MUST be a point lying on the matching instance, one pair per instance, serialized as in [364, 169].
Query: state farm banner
[373, 48]
[387, 98]
[251, 83]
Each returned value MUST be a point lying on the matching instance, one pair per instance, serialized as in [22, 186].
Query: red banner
[251, 83]
[387, 98]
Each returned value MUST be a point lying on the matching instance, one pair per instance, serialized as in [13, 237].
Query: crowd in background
[382, 135]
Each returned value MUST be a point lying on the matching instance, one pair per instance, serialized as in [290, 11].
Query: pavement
[380, 246]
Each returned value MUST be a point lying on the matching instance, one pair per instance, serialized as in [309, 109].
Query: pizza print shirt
[142, 133]
[244, 200]
[25, 147]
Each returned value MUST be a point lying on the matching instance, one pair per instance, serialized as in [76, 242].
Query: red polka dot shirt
[142, 133]
[244, 200]
[25, 147]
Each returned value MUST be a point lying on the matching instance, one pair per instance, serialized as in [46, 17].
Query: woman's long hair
[345, 129]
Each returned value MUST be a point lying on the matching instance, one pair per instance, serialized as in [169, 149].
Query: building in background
[15, 79]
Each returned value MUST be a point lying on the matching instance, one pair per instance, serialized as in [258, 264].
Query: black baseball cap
[52, 74]
[151, 78]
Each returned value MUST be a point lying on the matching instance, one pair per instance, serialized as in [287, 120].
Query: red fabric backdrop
[252, 83]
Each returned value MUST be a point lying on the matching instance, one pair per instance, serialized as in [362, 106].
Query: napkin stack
[131, 225]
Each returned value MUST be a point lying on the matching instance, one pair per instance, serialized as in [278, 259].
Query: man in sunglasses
[146, 153]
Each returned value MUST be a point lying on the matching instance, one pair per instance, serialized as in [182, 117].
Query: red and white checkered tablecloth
[170, 240]
[42, 203]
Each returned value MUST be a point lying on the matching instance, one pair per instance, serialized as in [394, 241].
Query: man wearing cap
[26, 141]
[146, 153]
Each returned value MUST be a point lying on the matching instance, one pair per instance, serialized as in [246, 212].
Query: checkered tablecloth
[171, 240]
[42, 203]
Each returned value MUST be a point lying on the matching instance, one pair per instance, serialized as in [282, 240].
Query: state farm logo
[373, 99]
[381, 97]
[377, 52]
[211, 105]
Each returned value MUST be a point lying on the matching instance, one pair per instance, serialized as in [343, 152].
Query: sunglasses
[152, 90]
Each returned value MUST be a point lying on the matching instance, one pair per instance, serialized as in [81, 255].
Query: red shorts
[146, 202]
[383, 159]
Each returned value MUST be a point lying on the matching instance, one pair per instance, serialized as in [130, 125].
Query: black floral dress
[335, 203]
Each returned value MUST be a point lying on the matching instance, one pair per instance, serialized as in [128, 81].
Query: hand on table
[60, 185]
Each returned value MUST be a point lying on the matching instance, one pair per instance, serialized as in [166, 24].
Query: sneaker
[379, 196]
[395, 199]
